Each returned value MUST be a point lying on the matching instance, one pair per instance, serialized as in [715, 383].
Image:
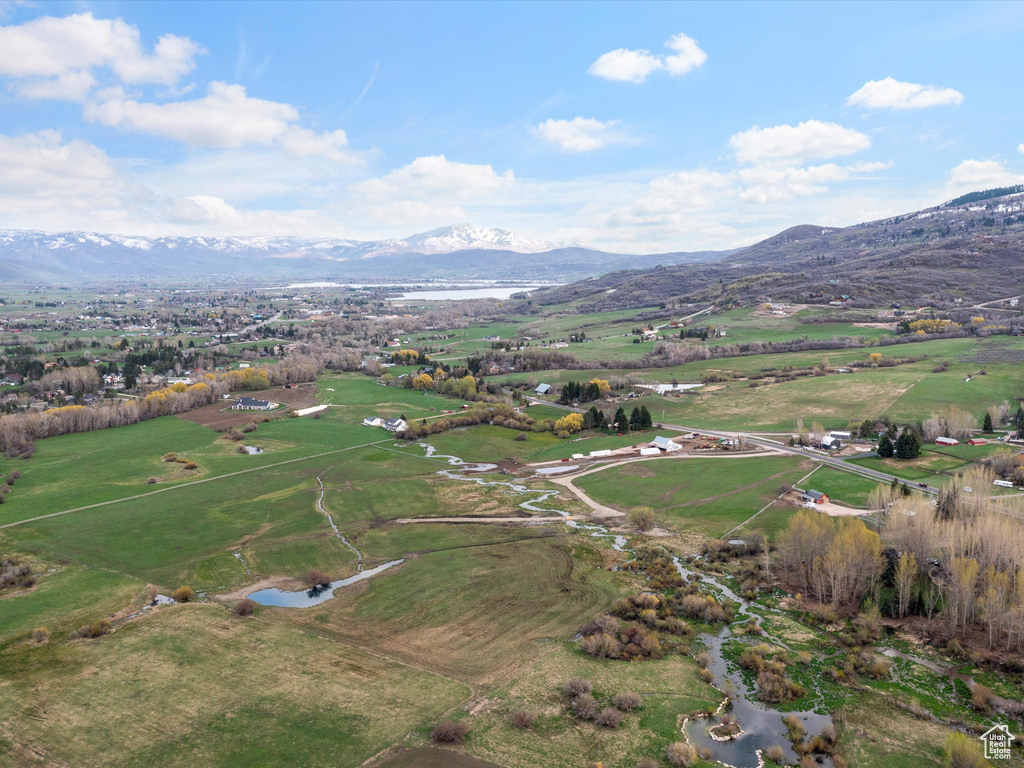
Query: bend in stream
[762, 725]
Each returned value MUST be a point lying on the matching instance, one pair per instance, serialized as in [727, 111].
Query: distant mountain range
[969, 249]
[461, 252]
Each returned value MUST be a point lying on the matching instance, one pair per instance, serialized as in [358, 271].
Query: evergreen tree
[588, 419]
[987, 426]
[867, 428]
[634, 419]
[885, 447]
[908, 445]
[646, 421]
[621, 423]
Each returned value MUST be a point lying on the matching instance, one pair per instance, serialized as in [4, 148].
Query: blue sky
[633, 127]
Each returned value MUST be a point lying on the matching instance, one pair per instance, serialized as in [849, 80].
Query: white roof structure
[665, 444]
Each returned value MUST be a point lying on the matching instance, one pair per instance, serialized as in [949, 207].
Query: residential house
[373, 421]
[814, 497]
[252, 404]
[395, 425]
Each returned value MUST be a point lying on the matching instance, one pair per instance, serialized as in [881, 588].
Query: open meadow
[478, 620]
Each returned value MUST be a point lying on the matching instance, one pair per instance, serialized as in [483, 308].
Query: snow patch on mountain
[459, 237]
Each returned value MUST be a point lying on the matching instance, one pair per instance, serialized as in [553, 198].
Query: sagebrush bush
[627, 701]
[584, 706]
[575, 686]
[681, 754]
[449, 732]
[245, 607]
[609, 717]
[522, 718]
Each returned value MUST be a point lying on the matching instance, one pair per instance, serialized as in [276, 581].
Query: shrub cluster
[605, 638]
[99, 629]
[449, 732]
[315, 578]
[15, 574]
[772, 684]
[245, 607]
[184, 594]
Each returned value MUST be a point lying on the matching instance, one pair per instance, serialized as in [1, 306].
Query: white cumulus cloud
[794, 144]
[976, 175]
[429, 190]
[894, 94]
[225, 117]
[633, 66]
[581, 134]
[46, 178]
[439, 175]
[770, 184]
[52, 57]
[688, 55]
[202, 209]
[302, 142]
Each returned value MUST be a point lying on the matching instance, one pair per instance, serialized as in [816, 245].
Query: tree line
[19, 431]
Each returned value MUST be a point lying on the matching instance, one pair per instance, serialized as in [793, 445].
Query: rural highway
[831, 461]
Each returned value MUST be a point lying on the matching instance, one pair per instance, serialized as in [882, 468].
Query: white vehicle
[1003, 483]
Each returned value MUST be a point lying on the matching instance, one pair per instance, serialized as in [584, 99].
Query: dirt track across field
[218, 416]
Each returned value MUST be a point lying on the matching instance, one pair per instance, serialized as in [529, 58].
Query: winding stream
[762, 725]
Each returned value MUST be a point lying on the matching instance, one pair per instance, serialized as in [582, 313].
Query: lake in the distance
[457, 294]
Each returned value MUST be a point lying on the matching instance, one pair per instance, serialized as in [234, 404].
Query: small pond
[310, 597]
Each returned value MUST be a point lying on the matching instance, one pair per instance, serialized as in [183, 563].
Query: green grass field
[708, 496]
[479, 618]
[670, 687]
[907, 393]
[844, 487]
[196, 686]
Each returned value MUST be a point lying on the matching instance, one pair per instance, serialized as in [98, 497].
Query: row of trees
[584, 392]
[835, 561]
[960, 561]
[18, 431]
[907, 445]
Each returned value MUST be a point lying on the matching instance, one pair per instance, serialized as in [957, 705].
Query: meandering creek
[762, 726]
